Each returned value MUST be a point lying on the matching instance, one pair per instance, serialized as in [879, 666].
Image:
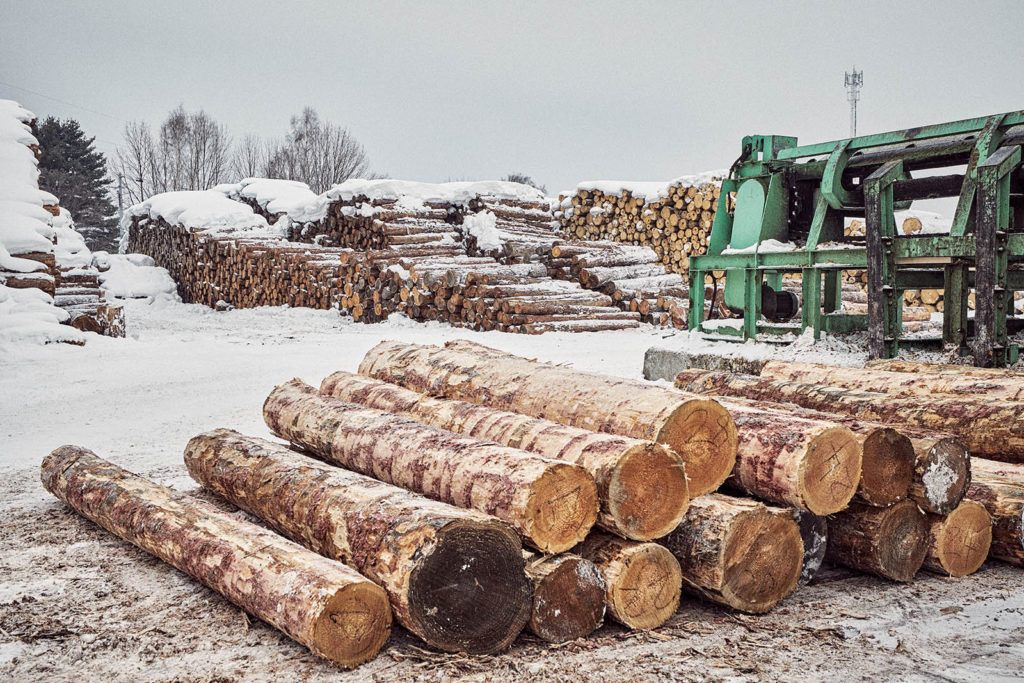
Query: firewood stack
[673, 219]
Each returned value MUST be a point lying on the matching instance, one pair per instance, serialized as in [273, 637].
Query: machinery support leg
[954, 312]
[752, 297]
[880, 229]
[696, 315]
[810, 309]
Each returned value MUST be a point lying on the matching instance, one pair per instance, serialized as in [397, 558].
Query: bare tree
[136, 161]
[318, 153]
[250, 158]
[524, 179]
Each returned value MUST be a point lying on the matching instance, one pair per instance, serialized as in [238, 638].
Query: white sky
[561, 91]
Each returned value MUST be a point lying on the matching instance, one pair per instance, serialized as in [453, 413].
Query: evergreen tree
[71, 168]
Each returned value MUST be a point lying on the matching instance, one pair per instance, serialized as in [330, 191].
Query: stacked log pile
[673, 219]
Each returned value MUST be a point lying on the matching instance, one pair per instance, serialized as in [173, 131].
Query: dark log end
[569, 602]
[902, 541]
[941, 476]
[471, 593]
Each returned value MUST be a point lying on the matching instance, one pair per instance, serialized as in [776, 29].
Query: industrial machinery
[783, 209]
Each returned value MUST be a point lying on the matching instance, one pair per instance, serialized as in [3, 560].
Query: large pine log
[552, 504]
[641, 485]
[642, 580]
[888, 542]
[895, 365]
[1000, 488]
[698, 429]
[887, 456]
[897, 383]
[454, 576]
[992, 429]
[568, 596]
[959, 542]
[737, 552]
[322, 604]
[807, 464]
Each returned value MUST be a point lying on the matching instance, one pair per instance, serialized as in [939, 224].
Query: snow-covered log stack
[673, 218]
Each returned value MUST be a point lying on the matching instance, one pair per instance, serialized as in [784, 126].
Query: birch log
[898, 383]
[991, 429]
[1000, 488]
[959, 542]
[737, 552]
[552, 504]
[454, 577]
[697, 428]
[888, 542]
[568, 596]
[807, 464]
[641, 485]
[323, 604]
[642, 580]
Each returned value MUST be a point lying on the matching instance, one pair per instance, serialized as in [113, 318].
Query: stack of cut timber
[454, 577]
[674, 218]
[322, 604]
[698, 429]
[77, 283]
[632, 276]
[509, 230]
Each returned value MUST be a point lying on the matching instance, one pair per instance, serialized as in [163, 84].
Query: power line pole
[853, 83]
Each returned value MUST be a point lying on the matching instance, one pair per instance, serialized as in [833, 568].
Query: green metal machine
[783, 193]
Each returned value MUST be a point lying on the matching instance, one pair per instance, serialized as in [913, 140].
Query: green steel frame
[779, 191]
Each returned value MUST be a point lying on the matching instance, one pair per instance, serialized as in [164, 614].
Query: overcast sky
[561, 91]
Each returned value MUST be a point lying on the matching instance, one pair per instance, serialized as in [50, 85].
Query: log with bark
[959, 542]
[898, 383]
[888, 542]
[942, 471]
[915, 367]
[454, 577]
[737, 552]
[641, 485]
[991, 429]
[568, 596]
[318, 602]
[642, 580]
[699, 429]
[887, 462]
[808, 464]
[1000, 488]
[553, 504]
[814, 534]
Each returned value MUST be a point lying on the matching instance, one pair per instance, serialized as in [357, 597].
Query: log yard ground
[76, 602]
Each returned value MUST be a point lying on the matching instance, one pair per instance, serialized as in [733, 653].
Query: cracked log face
[958, 543]
[738, 552]
[695, 427]
[322, 604]
[888, 542]
[568, 597]
[641, 485]
[643, 579]
[552, 504]
[454, 576]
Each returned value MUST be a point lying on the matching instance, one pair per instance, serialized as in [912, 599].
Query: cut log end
[941, 476]
[703, 433]
[354, 625]
[646, 592]
[960, 541]
[568, 598]
[887, 469]
[830, 473]
[563, 508]
[647, 492]
[763, 560]
[482, 620]
[902, 542]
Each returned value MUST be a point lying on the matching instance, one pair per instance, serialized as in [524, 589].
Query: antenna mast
[853, 83]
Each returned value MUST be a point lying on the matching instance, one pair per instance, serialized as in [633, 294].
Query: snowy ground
[77, 602]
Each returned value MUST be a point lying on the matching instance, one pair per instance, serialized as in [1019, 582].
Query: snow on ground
[75, 602]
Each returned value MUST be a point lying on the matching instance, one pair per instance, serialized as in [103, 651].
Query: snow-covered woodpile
[674, 219]
[471, 254]
[49, 290]
[409, 490]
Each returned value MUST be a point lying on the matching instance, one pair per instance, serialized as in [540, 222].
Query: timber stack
[674, 219]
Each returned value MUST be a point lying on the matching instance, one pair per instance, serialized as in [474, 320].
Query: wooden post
[323, 604]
